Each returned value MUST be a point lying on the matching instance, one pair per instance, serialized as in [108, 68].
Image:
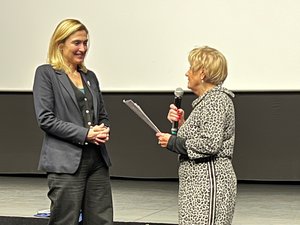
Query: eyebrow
[78, 40]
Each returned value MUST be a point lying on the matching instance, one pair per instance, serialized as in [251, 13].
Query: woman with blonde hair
[205, 143]
[70, 110]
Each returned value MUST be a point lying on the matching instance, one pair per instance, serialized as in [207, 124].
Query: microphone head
[178, 92]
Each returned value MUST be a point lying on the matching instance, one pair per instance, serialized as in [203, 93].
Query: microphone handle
[177, 103]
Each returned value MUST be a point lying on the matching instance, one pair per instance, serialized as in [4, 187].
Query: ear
[202, 74]
[60, 47]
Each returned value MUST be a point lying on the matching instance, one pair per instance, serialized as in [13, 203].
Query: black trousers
[88, 191]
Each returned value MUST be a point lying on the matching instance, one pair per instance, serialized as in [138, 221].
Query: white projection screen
[142, 45]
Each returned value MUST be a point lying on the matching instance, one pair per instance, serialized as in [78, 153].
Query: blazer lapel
[67, 85]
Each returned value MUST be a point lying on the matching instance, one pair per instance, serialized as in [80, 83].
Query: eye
[76, 43]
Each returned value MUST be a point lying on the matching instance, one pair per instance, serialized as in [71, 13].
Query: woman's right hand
[98, 134]
[176, 114]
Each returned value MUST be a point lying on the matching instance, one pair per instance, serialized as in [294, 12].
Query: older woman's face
[75, 47]
[194, 79]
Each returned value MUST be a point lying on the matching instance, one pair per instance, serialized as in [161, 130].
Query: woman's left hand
[103, 133]
[163, 139]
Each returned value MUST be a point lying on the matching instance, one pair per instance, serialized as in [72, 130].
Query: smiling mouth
[80, 55]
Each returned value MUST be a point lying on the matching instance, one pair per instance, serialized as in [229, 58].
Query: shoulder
[221, 94]
[45, 74]
[44, 67]
[215, 96]
[219, 100]
[90, 73]
[44, 70]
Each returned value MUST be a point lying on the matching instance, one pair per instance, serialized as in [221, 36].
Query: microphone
[177, 102]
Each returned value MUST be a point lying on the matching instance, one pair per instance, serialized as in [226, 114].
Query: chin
[78, 62]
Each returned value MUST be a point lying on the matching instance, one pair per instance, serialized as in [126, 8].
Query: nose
[82, 47]
[187, 73]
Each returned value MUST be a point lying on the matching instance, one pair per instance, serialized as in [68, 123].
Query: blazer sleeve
[47, 105]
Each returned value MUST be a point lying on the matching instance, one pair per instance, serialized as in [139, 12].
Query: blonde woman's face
[194, 79]
[75, 47]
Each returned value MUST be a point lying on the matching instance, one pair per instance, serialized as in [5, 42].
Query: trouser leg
[66, 193]
[98, 209]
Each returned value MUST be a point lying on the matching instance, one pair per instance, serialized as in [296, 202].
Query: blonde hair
[63, 30]
[212, 62]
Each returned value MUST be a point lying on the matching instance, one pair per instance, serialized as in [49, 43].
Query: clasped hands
[98, 134]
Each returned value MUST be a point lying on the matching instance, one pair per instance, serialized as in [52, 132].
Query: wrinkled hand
[98, 134]
[163, 139]
[176, 114]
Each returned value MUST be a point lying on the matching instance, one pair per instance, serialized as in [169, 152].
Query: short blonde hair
[63, 30]
[211, 61]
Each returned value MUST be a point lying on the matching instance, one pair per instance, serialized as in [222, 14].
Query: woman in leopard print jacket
[205, 142]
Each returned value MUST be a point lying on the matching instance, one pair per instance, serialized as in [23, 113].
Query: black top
[85, 102]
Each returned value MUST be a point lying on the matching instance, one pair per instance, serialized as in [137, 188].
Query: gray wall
[267, 135]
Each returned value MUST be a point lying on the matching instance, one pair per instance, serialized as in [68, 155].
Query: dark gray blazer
[58, 115]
